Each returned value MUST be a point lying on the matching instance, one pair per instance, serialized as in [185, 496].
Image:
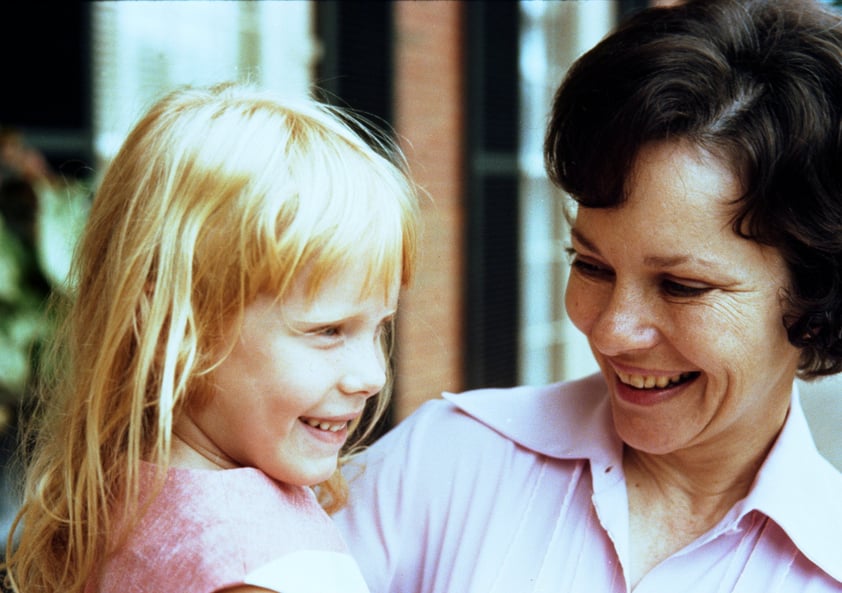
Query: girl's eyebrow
[330, 320]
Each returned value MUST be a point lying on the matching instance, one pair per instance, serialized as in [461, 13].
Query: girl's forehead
[352, 280]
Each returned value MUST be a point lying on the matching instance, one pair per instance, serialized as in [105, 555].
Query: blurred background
[465, 85]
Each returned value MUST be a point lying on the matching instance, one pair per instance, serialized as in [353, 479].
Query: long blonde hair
[216, 195]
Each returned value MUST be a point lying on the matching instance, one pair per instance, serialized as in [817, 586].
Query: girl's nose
[366, 370]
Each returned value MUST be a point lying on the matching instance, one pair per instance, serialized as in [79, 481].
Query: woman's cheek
[582, 304]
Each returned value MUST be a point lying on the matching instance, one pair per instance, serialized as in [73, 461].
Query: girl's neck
[189, 451]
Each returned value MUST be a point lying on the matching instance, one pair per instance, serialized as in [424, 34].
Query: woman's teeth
[322, 425]
[650, 381]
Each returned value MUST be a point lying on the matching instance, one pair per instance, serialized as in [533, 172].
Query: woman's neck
[676, 498]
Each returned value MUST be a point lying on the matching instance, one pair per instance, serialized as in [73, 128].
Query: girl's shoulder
[241, 500]
[207, 529]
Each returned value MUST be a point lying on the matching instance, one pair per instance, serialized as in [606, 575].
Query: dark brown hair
[758, 83]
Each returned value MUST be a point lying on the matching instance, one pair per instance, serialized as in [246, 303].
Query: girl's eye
[331, 331]
[682, 290]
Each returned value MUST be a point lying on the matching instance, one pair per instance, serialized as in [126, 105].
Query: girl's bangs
[349, 207]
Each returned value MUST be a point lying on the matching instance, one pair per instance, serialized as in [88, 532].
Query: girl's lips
[333, 431]
[329, 425]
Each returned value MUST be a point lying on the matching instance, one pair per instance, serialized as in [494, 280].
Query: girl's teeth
[325, 425]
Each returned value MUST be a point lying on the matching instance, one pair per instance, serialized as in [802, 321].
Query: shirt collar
[796, 487]
[800, 490]
[568, 420]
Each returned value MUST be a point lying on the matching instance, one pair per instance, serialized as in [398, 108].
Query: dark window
[491, 311]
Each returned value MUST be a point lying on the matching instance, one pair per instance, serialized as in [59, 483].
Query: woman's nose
[365, 370]
[625, 321]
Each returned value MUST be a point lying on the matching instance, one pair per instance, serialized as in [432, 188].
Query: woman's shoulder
[567, 420]
[564, 420]
[525, 404]
[508, 405]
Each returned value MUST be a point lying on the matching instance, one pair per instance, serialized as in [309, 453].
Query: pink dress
[522, 490]
[209, 530]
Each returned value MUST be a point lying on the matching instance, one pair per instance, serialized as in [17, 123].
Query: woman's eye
[587, 267]
[682, 290]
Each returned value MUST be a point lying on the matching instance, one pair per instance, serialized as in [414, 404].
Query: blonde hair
[216, 195]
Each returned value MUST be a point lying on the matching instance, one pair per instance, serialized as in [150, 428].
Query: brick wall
[429, 118]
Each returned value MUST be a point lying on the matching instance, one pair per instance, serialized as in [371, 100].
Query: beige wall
[822, 401]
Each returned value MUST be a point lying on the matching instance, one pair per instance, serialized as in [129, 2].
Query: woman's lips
[647, 389]
[641, 381]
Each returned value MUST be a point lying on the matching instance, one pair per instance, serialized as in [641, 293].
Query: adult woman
[702, 144]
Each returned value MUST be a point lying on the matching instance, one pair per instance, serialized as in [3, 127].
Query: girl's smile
[297, 379]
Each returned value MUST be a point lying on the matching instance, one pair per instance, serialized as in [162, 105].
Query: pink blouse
[208, 530]
[522, 490]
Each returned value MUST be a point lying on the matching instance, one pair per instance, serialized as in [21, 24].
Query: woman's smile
[639, 381]
[686, 315]
[648, 390]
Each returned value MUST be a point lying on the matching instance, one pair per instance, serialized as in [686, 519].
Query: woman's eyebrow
[653, 261]
[577, 235]
[674, 261]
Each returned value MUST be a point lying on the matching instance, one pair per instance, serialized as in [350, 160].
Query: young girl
[234, 292]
